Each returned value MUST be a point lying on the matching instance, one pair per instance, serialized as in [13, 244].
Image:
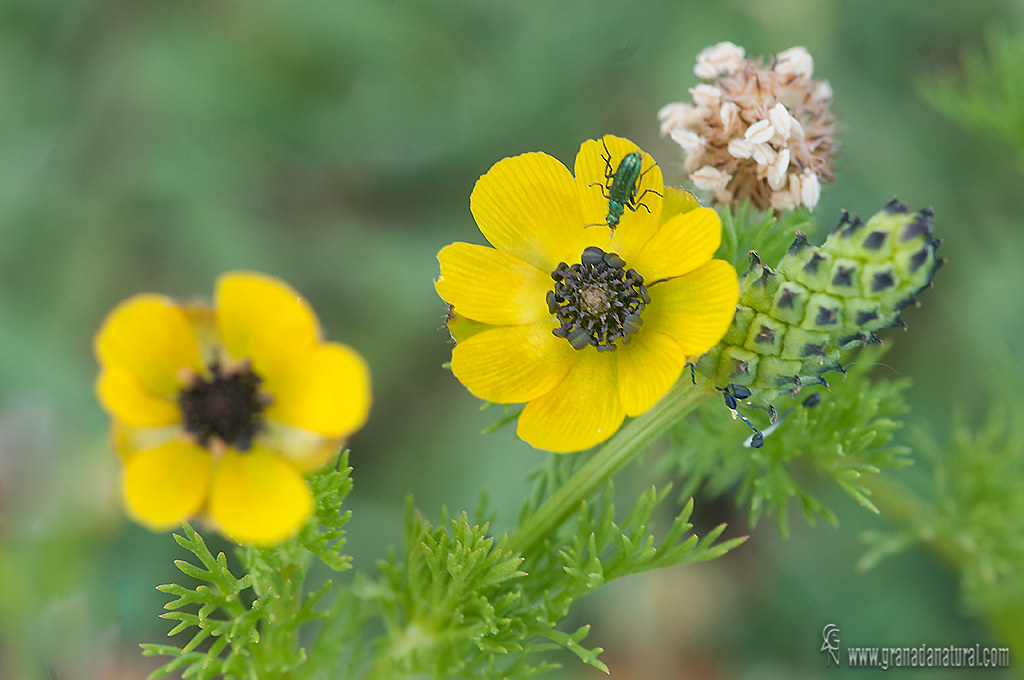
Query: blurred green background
[150, 146]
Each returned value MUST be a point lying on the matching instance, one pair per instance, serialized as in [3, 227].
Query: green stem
[627, 444]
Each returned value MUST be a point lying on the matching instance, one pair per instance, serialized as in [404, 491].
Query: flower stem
[630, 441]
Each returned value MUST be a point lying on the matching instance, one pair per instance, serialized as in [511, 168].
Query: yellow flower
[221, 411]
[559, 278]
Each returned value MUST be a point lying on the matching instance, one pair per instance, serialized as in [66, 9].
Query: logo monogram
[830, 635]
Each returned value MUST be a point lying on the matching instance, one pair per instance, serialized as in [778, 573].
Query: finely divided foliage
[458, 602]
[461, 605]
[240, 625]
[849, 437]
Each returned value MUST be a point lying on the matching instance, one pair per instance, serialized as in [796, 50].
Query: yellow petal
[262, 319]
[327, 391]
[595, 168]
[512, 364]
[166, 484]
[677, 201]
[491, 286]
[124, 397]
[149, 336]
[204, 323]
[128, 441]
[583, 410]
[681, 245]
[695, 309]
[527, 206]
[305, 450]
[256, 497]
[648, 367]
[461, 327]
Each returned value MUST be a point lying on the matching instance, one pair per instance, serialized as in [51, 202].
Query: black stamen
[597, 301]
[227, 405]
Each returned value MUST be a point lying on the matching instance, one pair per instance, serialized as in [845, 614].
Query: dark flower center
[597, 301]
[227, 405]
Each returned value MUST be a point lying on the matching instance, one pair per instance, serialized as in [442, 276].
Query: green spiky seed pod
[792, 323]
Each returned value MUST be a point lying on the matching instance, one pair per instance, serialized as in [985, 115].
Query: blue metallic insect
[810, 402]
[621, 185]
[734, 393]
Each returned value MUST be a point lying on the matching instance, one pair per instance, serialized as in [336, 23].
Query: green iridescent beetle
[621, 186]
